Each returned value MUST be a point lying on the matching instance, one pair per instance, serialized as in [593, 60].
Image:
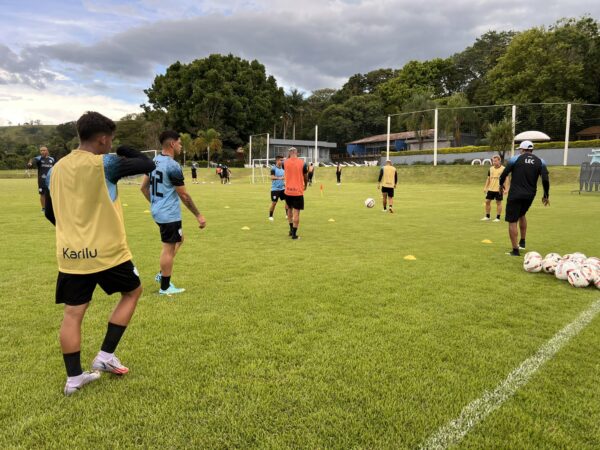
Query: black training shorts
[77, 289]
[388, 190]
[277, 195]
[295, 201]
[516, 208]
[491, 195]
[171, 233]
[43, 190]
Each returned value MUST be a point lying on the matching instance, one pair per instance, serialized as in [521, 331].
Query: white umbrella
[532, 136]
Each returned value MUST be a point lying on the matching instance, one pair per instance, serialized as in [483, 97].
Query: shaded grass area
[331, 341]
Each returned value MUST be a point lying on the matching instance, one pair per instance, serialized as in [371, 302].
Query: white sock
[75, 381]
[103, 356]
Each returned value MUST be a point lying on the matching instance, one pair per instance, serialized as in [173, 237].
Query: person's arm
[189, 203]
[145, 187]
[487, 183]
[273, 177]
[395, 179]
[131, 162]
[48, 208]
[380, 177]
[505, 173]
[545, 184]
[305, 173]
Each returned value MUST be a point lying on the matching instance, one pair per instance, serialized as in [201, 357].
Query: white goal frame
[264, 164]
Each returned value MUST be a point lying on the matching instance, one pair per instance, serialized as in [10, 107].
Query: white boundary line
[455, 430]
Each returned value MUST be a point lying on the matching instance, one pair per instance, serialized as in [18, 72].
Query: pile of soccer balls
[577, 268]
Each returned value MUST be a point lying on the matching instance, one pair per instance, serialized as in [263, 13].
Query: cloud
[19, 104]
[308, 45]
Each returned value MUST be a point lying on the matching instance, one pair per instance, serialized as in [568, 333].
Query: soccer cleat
[496, 220]
[158, 277]
[391, 211]
[87, 377]
[113, 365]
[384, 210]
[296, 237]
[513, 253]
[271, 219]
[485, 219]
[171, 290]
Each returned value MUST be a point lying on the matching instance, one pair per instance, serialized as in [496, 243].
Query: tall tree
[222, 92]
[419, 115]
[500, 137]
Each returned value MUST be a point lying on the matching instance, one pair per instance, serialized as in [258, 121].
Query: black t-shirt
[525, 170]
[43, 167]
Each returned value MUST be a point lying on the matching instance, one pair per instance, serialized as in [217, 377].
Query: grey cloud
[23, 69]
[311, 48]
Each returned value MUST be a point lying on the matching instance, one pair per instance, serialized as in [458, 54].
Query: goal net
[261, 168]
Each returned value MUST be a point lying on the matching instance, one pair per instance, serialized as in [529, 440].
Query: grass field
[332, 341]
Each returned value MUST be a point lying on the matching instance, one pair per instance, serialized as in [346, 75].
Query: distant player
[83, 202]
[388, 178]
[311, 173]
[163, 188]
[525, 170]
[194, 173]
[43, 163]
[296, 178]
[277, 185]
[338, 173]
[225, 175]
[492, 189]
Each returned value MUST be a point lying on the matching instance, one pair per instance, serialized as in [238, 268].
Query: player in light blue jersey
[277, 186]
[163, 188]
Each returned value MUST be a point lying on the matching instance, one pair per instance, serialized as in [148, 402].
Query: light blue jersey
[163, 196]
[277, 185]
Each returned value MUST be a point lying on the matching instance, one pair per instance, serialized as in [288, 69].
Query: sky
[61, 58]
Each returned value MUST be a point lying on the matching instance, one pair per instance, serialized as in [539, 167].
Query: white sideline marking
[453, 432]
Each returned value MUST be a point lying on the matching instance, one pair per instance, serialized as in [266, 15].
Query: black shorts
[77, 289]
[493, 196]
[516, 208]
[277, 195]
[42, 190]
[171, 233]
[389, 191]
[295, 201]
[310, 175]
[194, 174]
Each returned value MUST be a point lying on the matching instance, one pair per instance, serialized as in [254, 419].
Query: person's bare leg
[498, 208]
[523, 230]
[70, 329]
[124, 310]
[514, 235]
[167, 257]
[295, 222]
[43, 201]
[488, 207]
[390, 203]
[384, 201]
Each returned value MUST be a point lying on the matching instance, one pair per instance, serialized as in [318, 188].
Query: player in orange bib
[296, 179]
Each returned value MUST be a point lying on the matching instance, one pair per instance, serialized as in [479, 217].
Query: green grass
[333, 341]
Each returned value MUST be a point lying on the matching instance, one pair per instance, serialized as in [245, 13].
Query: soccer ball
[589, 272]
[578, 258]
[577, 279]
[369, 203]
[532, 262]
[563, 268]
[550, 261]
[593, 261]
[597, 279]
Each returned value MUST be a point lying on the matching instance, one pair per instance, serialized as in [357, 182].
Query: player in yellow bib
[492, 189]
[388, 179]
[91, 247]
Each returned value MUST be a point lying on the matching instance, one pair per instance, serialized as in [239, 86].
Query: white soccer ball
[550, 261]
[369, 203]
[597, 280]
[589, 272]
[578, 255]
[577, 279]
[578, 259]
[532, 262]
[593, 261]
[563, 268]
